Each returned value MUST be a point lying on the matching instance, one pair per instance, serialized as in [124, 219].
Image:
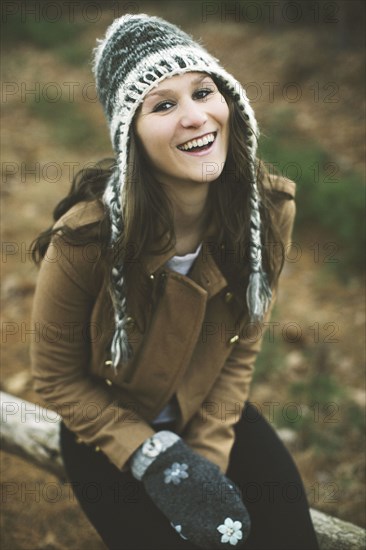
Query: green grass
[329, 199]
[324, 416]
[67, 123]
[270, 361]
[317, 407]
[64, 38]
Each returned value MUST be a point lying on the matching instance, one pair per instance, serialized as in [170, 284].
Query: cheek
[145, 135]
[222, 113]
[142, 132]
[153, 134]
[154, 139]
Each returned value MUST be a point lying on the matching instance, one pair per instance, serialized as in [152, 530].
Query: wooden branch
[335, 534]
[32, 433]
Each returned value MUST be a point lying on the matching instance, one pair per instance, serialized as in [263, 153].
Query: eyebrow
[168, 91]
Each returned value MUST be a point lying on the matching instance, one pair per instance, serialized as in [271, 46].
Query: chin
[212, 171]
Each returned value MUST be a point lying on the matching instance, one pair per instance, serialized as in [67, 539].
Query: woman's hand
[202, 504]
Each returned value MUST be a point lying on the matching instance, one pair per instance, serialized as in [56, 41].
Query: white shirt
[182, 264]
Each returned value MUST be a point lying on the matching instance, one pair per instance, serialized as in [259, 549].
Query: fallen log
[32, 433]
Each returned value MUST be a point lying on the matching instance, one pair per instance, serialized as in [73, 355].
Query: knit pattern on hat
[137, 53]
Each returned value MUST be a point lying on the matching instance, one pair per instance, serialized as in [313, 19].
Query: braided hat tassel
[120, 347]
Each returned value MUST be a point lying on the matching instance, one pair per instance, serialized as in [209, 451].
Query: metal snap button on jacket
[228, 297]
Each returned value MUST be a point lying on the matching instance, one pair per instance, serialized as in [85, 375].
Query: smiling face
[183, 125]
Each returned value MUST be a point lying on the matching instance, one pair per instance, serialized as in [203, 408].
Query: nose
[193, 114]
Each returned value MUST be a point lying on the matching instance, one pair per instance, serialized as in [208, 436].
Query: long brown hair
[148, 217]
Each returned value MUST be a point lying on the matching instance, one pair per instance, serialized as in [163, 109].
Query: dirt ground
[39, 512]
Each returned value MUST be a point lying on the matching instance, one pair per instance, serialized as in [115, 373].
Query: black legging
[126, 519]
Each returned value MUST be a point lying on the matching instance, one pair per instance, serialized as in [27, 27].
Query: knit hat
[137, 53]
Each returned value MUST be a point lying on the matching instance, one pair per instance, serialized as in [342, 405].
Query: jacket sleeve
[211, 430]
[62, 307]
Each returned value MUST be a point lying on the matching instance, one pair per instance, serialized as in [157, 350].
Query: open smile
[201, 143]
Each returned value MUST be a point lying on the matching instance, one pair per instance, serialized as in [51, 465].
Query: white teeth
[197, 142]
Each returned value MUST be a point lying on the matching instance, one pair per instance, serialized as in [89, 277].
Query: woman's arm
[60, 356]
[211, 430]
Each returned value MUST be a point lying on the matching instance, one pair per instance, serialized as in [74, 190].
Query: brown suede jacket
[198, 346]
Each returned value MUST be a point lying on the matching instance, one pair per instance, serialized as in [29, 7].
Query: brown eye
[202, 93]
[163, 106]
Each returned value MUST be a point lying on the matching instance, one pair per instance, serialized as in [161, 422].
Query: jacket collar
[205, 270]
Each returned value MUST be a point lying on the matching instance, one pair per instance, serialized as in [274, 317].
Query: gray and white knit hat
[137, 53]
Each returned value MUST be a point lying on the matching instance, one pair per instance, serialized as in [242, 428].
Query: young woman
[155, 283]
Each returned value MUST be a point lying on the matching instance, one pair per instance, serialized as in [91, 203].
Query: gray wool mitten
[202, 504]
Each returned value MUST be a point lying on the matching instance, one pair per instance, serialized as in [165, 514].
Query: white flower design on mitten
[178, 529]
[176, 473]
[231, 531]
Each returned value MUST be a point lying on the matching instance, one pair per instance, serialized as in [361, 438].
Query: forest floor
[310, 376]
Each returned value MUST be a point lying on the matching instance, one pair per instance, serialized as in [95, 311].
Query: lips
[199, 143]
